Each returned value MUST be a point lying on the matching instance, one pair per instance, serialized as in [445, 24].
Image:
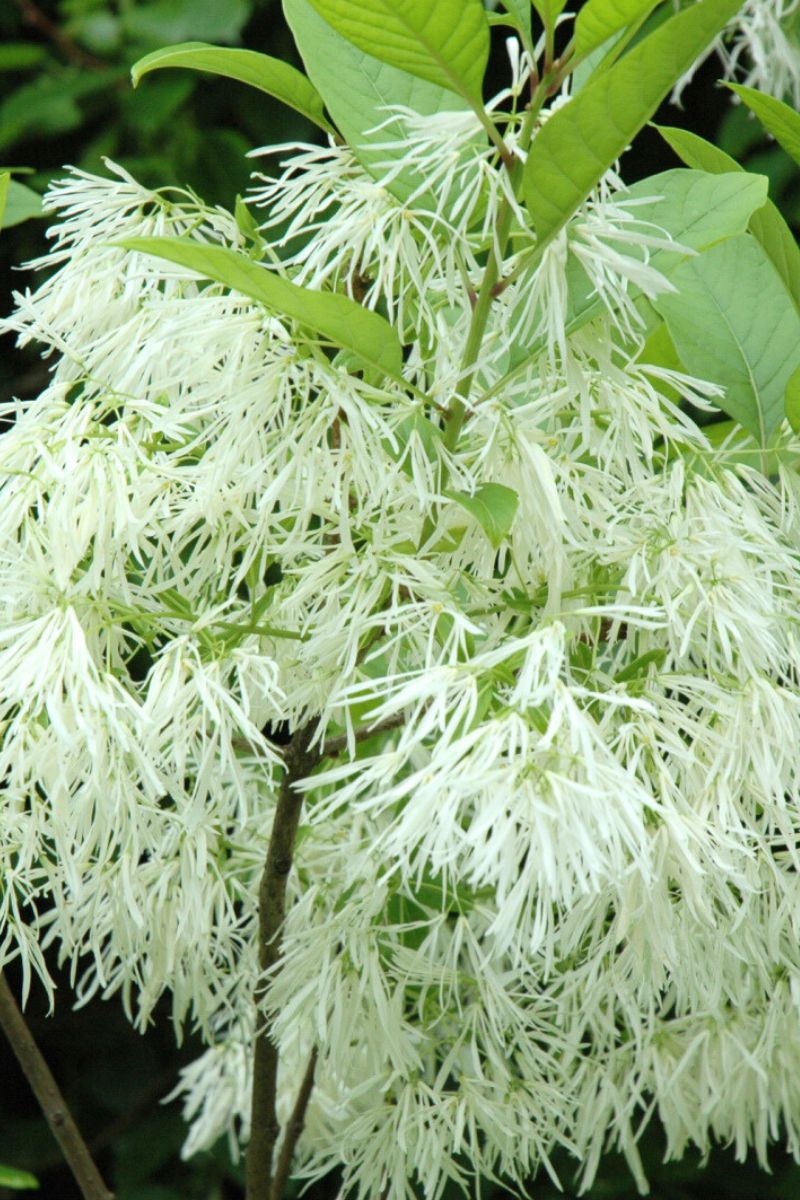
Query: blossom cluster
[555, 890]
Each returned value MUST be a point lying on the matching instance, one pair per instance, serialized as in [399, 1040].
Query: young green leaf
[777, 118]
[16, 1180]
[580, 141]
[493, 506]
[269, 75]
[336, 317]
[767, 224]
[639, 667]
[599, 20]
[520, 10]
[446, 43]
[549, 11]
[5, 180]
[733, 323]
[358, 89]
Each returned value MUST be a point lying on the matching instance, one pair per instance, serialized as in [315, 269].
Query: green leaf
[337, 318]
[357, 89]
[22, 203]
[5, 180]
[21, 56]
[419, 428]
[659, 351]
[732, 446]
[733, 323]
[580, 141]
[446, 43]
[49, 104]
[640, 666]
[791, 400]
[599, 20]
[696, 208]
[520, 10]
[17, 1180]
[777, 118]
[493, 506]
[269, 75]
[766, 224]
[598, 61]
[164, 21]
[549, 10]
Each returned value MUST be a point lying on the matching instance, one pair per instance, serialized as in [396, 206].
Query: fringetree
[399, 593]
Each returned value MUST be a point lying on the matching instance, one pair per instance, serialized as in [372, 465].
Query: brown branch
[294, 1127]
[336, 745]
[339, 743]
[53, 1105]
[300, 760]
[32, 15]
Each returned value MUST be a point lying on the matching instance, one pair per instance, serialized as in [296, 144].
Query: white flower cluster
[557, 891]
[761, 48]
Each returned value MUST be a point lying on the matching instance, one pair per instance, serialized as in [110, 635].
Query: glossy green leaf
[16, 1180]
[791, 400]
[446, 43]
[767, 224]
[733, 323]
[600, 20]
[493, 506]
[336, 317]
[269, 75]
[777, 118]
[580, 141]
[358, 89]
[599, 60]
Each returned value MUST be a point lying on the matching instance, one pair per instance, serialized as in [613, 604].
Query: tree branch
[336, 745]
[294, 1128]
[32, 15]
[300, 760]
[45, 1088]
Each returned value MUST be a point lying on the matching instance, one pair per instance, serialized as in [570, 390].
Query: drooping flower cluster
[556, 890]
[761, 48]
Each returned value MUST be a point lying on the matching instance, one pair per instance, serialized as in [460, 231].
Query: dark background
[65, 98]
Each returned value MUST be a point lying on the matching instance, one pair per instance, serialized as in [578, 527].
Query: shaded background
[65, 98]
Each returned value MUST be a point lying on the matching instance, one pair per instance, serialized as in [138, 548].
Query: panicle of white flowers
[556, 891]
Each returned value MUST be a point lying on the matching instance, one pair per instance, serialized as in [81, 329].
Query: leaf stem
[54, 1107]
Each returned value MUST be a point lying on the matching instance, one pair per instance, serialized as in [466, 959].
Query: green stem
[487, 293]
